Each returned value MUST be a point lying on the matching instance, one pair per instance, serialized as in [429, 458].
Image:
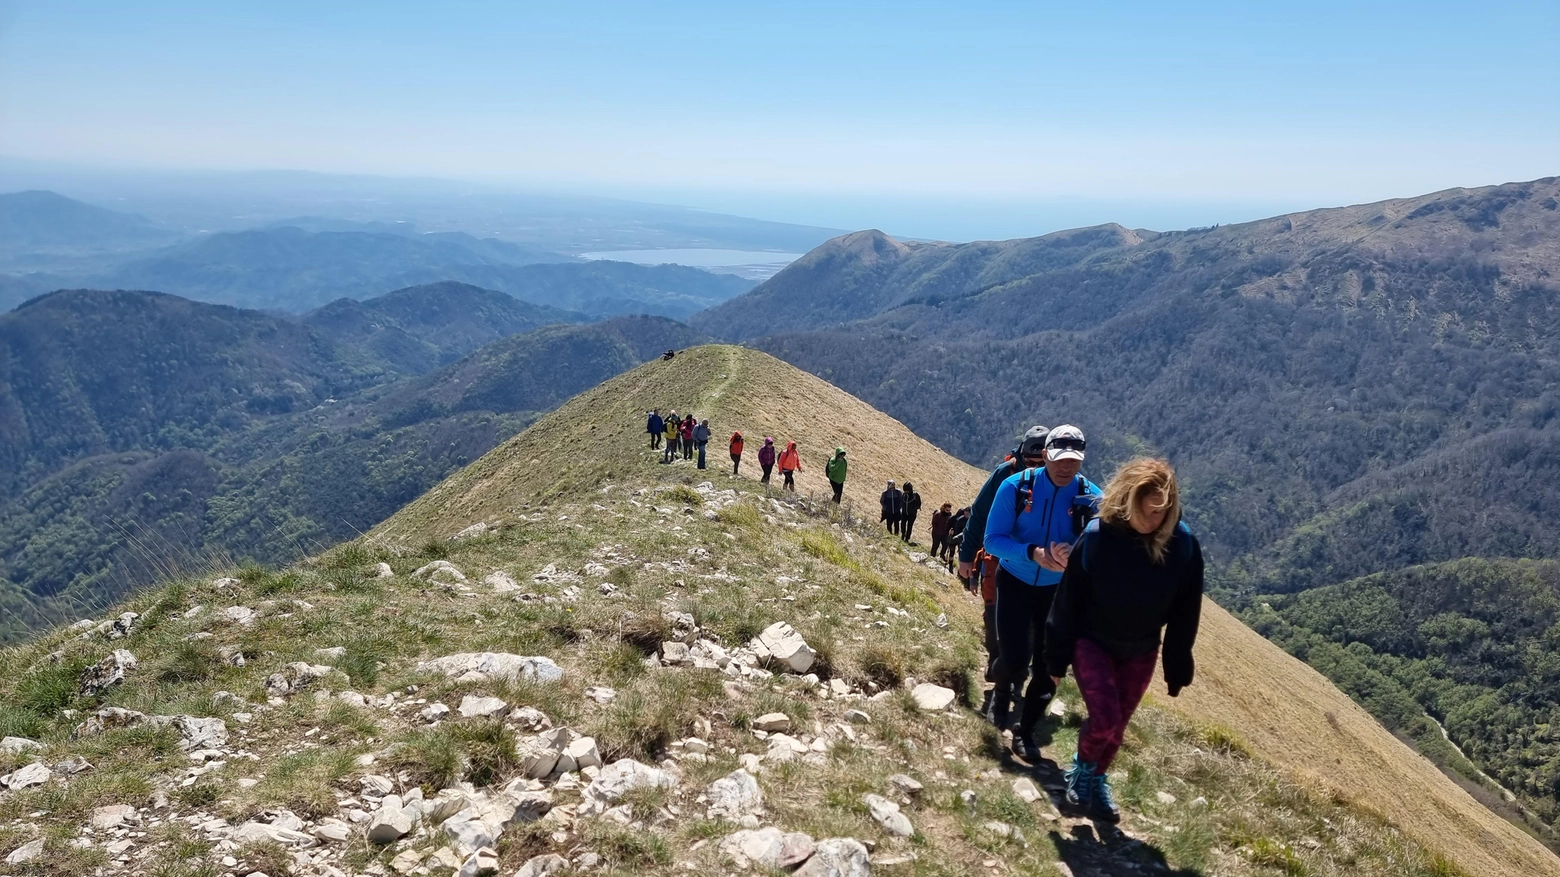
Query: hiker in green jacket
[835, 470]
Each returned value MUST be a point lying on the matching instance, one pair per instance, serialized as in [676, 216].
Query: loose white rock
[106, 673]
[25, 853]
[837, 857]
[932, 698]
[767, 848]
[18, 745]
[477, 666]
[734, 796]
[772, 722]
[542, 866]
[886, 813]
[433, 712]
[113, 816]
[35, 774]
[781, 642]
[1026, 790]
[474, 707]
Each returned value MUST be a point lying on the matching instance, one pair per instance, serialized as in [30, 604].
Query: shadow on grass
[1088, 846]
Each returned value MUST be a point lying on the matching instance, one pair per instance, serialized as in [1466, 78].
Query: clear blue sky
[806, 111]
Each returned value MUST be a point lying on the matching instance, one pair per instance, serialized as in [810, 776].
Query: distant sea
[753, 264]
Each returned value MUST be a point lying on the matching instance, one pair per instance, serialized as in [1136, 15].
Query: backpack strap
[1024, 496]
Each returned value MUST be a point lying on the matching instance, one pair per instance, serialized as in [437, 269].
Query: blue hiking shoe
[1103, 806]
[1080, 785]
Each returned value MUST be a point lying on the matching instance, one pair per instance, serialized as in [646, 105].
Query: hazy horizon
[1006, 120]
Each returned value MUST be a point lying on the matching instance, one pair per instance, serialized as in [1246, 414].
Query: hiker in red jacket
[687, 436]
[790, 464]
[736, 452]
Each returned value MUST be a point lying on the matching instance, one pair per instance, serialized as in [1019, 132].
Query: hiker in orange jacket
[736, 452]
[790, 463]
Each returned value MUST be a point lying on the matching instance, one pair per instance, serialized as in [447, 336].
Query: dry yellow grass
[1290, 715]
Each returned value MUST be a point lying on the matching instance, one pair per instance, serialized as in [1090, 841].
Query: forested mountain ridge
[420, 328]
[143, 433]
[1345, 393]
[1474, 643]
[1286, 364]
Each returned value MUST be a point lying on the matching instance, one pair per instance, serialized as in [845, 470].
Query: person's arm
[1000, 522]
[1181, 629]
[975, 526]
[1061, 626]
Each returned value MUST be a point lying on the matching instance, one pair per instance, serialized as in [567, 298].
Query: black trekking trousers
[905, 526]
[839, 490]
[1021, 612]
[767, 467]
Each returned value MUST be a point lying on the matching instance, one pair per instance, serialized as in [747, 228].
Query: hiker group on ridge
[1103, 583]
[1076, 577]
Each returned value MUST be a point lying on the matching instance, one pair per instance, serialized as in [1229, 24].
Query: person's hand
[1055, 681]
[966, 568]
[1047, 558]
[1060, 551]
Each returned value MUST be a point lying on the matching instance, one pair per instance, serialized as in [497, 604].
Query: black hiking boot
[1025, 745]
[999, 705]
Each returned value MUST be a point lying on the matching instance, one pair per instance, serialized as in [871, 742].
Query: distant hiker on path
[701, 439]
[940, 521]
[655, 426]
[836, 470]
[766, 458]
[892, 503]
[1031, 528]
[673, 437]
[736, 452]
[912, 508]
[1136, 570]
[1029, 454]
[668, 355]
[790, 464]
[686, 432]
[958, 528]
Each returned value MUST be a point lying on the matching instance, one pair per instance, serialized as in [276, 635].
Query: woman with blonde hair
[1136, 571]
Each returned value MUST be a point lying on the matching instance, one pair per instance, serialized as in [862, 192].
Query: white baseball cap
[1064, 443]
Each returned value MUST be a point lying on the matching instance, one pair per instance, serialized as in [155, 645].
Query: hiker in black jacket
[893, 504]
[1030, 453]
[911, 504]
[655, 425]
[1136, 570]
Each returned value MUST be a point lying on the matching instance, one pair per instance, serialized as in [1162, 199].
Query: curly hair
[1127, 487]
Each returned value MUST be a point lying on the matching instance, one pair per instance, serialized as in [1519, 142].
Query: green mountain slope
[163, 453]
[1470, 643]
[420, 328]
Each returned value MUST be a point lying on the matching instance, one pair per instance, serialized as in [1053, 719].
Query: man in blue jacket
[1030, 454]
[655, 426]
[1035, 517]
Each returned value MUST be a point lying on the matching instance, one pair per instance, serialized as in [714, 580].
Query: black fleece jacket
[1114, 594]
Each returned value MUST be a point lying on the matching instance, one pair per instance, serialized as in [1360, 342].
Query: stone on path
[886, 813]
[474, 707]
[106, 673]
[837, 857]
[25, 853]
[1026, 790]
[35, 774]
[389, 823]
[734, 796]
[17, 745]
[767, 848]
[781, 642]
[773, 722]
[931, 697]
[542, 866]
[483, 666]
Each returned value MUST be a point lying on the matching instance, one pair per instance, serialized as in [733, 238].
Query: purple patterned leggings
[1112, 688]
